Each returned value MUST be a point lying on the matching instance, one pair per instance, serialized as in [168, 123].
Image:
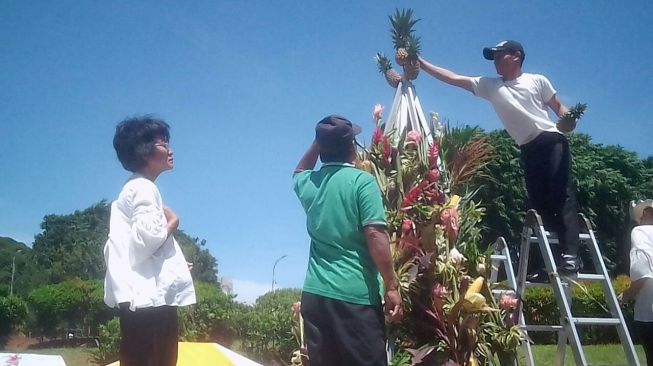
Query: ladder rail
[609, 294]
[566, 318]
[502, 255]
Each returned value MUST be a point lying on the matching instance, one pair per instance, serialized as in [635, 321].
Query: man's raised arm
[446, 76]
[308, 161]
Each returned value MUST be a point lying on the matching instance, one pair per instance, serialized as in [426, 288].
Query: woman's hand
[172, 218]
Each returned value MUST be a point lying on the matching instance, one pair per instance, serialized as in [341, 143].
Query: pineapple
[401, 56]
[413, 49]
[385, 67]
[402, 27]
[568, 122]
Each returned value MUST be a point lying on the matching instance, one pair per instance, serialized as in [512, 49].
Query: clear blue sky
[243, 82]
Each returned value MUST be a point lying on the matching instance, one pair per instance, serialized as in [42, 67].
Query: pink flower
[439, 291]
[296, 308]
[449, 219]
[406, 226]
[378, 112]
[508, 302]
[414, 137]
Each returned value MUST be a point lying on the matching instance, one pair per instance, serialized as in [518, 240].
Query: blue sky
[243, 82]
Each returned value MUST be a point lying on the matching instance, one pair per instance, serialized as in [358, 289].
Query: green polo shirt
[339, 201]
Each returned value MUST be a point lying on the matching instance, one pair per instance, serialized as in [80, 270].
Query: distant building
[227, 285]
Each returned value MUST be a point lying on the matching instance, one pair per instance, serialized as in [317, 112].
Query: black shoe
[538, 276]
[570, 264]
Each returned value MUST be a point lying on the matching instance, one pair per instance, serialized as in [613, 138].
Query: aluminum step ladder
[501, 257]
[535, 233]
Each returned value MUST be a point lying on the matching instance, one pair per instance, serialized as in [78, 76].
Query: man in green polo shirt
[341, 301]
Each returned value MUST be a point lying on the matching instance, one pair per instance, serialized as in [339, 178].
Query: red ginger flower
[434, 151]
[377, 136]
[412, 197]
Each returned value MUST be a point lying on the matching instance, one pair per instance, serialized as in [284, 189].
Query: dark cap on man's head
[335, 132]
[512, 46]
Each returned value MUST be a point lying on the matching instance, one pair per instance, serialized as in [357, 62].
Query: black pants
[547, 166]
[148, 336]
[645, 334]
[341, 333]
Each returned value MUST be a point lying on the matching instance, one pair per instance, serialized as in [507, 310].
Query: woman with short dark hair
[147, 275]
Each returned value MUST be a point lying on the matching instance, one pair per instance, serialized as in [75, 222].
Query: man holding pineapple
[521, 100]
[345, 218]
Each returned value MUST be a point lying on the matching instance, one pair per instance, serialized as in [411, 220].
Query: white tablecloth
[26, 359]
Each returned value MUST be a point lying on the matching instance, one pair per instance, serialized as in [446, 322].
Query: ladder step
[498, 257]
[542, 328]
[590, 277]
[503, 292]
[597, 321]
[537, 284]
[553, 238]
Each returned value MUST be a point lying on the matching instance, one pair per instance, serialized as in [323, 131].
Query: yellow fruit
[475, 287]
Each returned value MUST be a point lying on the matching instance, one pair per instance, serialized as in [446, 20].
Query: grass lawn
[599, 355]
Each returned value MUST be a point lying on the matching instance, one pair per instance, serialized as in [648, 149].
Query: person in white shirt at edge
[521, 100]
[147, 275]
[641, 274]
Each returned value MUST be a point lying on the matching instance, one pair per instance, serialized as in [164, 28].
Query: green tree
[205, 266]
[502, 191]
[71, 246]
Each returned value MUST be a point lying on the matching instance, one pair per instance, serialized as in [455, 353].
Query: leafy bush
[266, 328]
[587, 301]
[212, 318]
[13, 312]
[73, 304]
[108, 342]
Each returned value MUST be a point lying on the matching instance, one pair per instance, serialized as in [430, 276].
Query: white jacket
[145, 265]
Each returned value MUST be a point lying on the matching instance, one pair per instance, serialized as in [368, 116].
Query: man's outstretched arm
[447, 76]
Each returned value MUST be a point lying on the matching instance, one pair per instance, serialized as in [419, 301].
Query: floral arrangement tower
[424, 171]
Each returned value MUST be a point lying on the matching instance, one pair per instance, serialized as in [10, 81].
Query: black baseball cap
[513, 46]
[335, 132]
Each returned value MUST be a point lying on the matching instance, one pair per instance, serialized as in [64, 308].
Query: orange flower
[449, 219]
[296, 308]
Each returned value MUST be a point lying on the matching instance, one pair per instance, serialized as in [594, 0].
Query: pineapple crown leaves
[413, 47]
[383, 62]
[577, 111]
[402, 23]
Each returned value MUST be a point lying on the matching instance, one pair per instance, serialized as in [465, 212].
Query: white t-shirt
[641, 266]
[145, 265]
[521, 104]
